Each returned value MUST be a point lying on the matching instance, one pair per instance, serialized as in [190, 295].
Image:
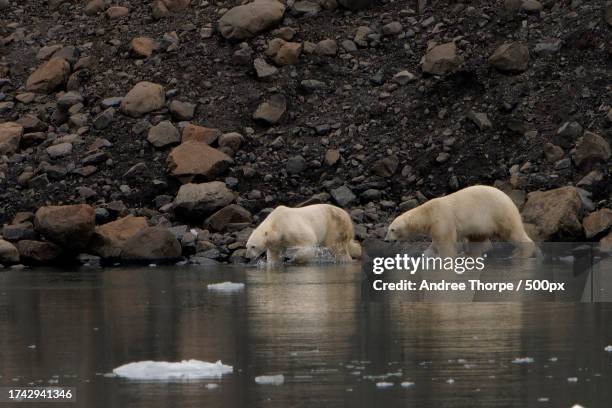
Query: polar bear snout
[254, 252]
[391, 235]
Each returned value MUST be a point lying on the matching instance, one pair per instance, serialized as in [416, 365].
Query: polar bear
[318, 225]
[475, 214]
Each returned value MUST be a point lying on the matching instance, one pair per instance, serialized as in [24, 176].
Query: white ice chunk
[212, 386]
[523, 360]
[161, 370]
[608, 349]
[407, 384]
[270, 379]
[450, 381]
[384, 384]
[226, 287]
[572, 379]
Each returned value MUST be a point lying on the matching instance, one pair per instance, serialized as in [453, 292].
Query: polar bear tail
[355, 249]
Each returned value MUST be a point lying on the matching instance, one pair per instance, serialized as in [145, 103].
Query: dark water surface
[308, 323]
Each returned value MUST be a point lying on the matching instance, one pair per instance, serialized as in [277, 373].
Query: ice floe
[162, 370]
[270, 379]
[407, 384]
[384, 384]
[523, 360]
[608, 348]
[226, 287]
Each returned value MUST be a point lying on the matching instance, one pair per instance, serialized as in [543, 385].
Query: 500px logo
[410, 264]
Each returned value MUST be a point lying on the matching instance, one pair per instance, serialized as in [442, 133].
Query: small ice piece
[543, 399]
[608, 348]
[407, 384]
[577, 406]
[270, 379]
[572, 379]
[553, 359]
[384, 384]
[152, 265]
[450, 381]
[32, 346]
[165, 371]
[523, 360]
[226, 287]
[212, 386]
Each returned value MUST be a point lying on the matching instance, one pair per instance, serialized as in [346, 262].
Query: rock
[108, 240]
[385, 167]
[531, 6]
[295, 165]
[442, 59]
[69, 99]
[8, 253]
[393, 28]
[591, 148]
[231, 140]
[143, 47]
[263, 69]
[182, 111]
[94, 7]
[608, 13]
[361, 36]
[548, 47]
[48, 77]
[288, 53]
[69, 226]
[18, 231]
[568, 134]
[38, 252]
[327, 47]
[511, 58]
[480, 119]
[243, 55]
[163, 134]
[553, 152]
[597, 222]
[116, 12]
[151, 244]
[198, 201]
[555, 213]
[307, 8]
[404, 77]
[143, 98]
[59, 150]
[197, 159]
[10, 137]
[104, 119]
[349, 46]
[332, 156]
[225, 217]
[250, 19]
[355, 4]
[200, 134]
[271, 110]
[343, 196]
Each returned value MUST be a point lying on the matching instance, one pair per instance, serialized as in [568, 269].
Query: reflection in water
[308, 323]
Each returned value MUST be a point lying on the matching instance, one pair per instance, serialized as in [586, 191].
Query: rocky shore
[165, 130]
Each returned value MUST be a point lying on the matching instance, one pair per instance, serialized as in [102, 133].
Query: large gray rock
[151, 244]
[143, 98]
[197, 201]
[38, 252]
[163, 134]
[343, 196]
[591, 148]
[511, 57]
[248, 20]
[69, 226]
[228, 216]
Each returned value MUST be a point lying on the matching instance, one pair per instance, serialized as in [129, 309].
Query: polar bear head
[404, 227]
[256, 245]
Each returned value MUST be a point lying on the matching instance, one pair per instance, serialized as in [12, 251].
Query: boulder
[151, 244]
[591, 148]
[143, 47]
[38, 252]
[197, 159]
[263, 69]
[284, 52]
[343, 196]
[225, 217]
[442, 59]
[115, 12]
[48, 77]
[8, 253]
[231, 140]
[597, 222]
[250, 19]
[554, 213]
[195, 133]
[510, 57]
[69, 226]
[198, 201]
[182, 110]
[163, 134]
[10, 137]
[19, 231]
[143, 98]
[94, 7]
[108, 240]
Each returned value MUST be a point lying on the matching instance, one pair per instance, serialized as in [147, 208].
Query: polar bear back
[481, 210]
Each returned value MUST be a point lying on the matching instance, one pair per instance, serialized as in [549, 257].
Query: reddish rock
[151, 244]
[143, 98]
[143, 47]
[225, 217]
[50, 76]
[511, 57]
[10, 137]
[108, 239]
[597, 222]
[554, 213]
[8, 253]
[197, 159]
[200, 134]
[116, 12]
[38, 252]
[69, 226]
[442, 59]
[250, 19]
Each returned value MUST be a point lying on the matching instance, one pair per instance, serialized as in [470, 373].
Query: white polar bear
[475, 214]
[318, 225]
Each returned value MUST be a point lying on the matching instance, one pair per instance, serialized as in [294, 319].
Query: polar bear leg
[273, 256]
[475, 248]
[302, 255]
[444, 240]
[524, 246]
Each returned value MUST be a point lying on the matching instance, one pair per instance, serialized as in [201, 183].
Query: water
[308, 323]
